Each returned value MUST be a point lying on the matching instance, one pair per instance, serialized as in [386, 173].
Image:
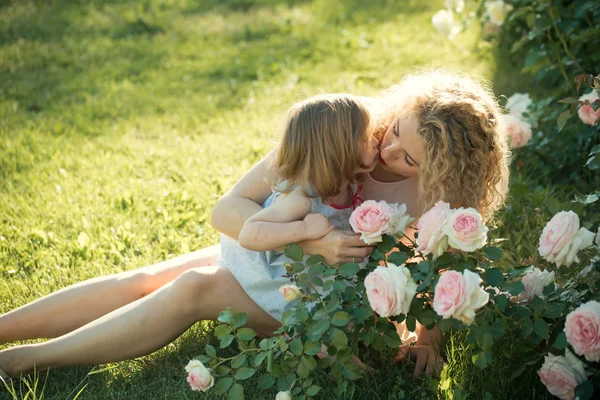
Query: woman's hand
[426, 352]
[338, 247]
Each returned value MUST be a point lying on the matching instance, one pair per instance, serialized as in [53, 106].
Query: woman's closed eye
[407, 161]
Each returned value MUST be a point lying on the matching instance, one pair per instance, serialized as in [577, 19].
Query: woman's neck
[383, 175]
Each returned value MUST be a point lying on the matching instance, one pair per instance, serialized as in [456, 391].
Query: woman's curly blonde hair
[466, 152]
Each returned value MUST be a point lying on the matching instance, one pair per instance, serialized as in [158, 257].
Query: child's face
[370, 154]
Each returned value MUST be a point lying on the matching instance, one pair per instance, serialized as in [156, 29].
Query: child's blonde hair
[466, 150]
[323, 142]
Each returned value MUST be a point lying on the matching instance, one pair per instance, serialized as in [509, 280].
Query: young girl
[327, 141]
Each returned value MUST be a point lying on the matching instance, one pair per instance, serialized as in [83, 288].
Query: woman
[441, 139]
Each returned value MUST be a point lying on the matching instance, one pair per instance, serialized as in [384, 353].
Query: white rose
[399, 220]
[465, 230]
[390, 290]
[443, 22]
[518, 129]
[518, 103]
[283, 396]
[561, 375]
[199, 376]
[290, 292]
[497, 11]
[597, 241]
[562, 239]
[583, 240]
[534, 282]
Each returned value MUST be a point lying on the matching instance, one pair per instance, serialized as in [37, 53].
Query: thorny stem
[562, 38]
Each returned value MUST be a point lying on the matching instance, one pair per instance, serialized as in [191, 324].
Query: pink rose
[518, 129]
[199, 376]
[465, 230]
[290, 292]
[371, 219]
[534, 282]
[586, 113]
[583, 330]
[431, 238]
[284, 396]
[561, 375]
[459, 295]
[390, 290]
[562, 239]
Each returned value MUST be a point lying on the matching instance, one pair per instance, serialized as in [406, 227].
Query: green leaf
[265, 381]
[294, 251]
[226, 316]
[318, 328]
[296, 346]
[411, 323]
[339, 339]
[445, 325]
[349, 269]
[226, 341]
[387, 243]
[563, 117]
[302, 313]
[498, 328]
[313, 390]
[309, 362]
[377, 255]
[210, 351]
[302, 371]
[260, 357]
[244, 373]
[351, 371]
[312, 348]
[236, 392]
[223, 385]
[501, 302]
[222, 330]
[515, 288]
[541, 328]
[482, 359]
[537, 306]
[485, 341]
[584, 390]
[561, 341]
[238, 360]
[427, 318]
[424, 267]
[239, 320]
[397, 258]
[391, 339]
[493, 277]
[341, 318]
[222, 370]
[288, 317]
[246, 334]
[493, 253]
[312, 260]
[554, 310]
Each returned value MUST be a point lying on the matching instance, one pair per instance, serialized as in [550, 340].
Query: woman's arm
[287, 220]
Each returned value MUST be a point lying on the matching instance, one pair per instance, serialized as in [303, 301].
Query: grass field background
[122, 123]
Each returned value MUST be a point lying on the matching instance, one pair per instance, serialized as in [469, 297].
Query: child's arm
[288, 220]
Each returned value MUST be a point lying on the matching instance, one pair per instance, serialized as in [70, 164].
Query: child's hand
[317, 226]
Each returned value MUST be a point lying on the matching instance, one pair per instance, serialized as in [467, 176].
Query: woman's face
[402, 148]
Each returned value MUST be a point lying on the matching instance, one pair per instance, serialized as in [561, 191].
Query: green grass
[122, 122]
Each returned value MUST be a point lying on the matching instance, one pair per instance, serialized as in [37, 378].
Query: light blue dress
[261, 274]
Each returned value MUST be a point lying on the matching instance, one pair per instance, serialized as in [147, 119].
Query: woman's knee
[193, 285]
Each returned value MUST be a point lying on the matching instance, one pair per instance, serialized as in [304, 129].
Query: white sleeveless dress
[261, 274]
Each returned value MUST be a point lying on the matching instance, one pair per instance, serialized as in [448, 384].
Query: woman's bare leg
[74, 306]
[143, 326]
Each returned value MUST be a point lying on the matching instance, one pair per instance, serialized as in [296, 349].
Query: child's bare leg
[143, 326]
[69, 308]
